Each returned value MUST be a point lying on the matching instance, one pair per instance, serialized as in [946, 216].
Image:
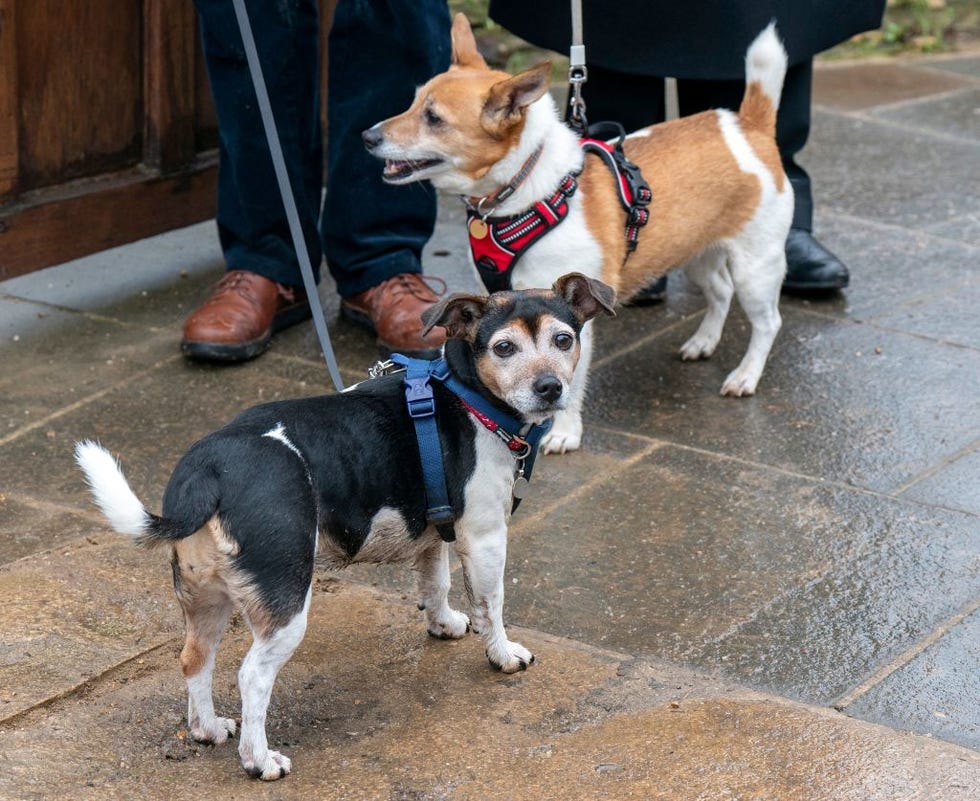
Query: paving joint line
[582, 489]
[862, 116]
[973, 446]
[83, 402]
[906, 656]
[909, 102]
[611, 357]
[841, 485]
[81, 687]
[88, 315]
[887, 227]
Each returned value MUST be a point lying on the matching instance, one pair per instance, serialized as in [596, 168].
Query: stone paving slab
[955, 486]
[48, 348]
[960, 65]
[934, 692]
[780, 584]
[149, 420]
[371, 708]
[27, 527]
[884, 173]
[862, 85]
[75, 612]
[897, 271]
[953, 114]
[828, 406]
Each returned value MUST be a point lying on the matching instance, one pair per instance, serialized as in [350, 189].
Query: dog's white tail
[124, 511]
[765, 70]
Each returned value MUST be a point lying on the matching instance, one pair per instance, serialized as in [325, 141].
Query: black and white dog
[338, 477]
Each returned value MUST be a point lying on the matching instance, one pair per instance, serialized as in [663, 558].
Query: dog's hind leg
[757, 287]
[566, 429]
[432, 567]
[199, 566]
[709, 272]
[205, 619]
[271, 649]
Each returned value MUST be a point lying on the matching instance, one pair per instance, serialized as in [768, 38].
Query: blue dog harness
[419, 374]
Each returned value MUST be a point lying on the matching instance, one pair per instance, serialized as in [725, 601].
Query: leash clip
[380, 368]
[577, 75]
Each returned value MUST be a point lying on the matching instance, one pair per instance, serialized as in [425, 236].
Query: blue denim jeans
[379, 52]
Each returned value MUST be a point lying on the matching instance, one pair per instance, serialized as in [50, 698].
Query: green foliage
[924, 26]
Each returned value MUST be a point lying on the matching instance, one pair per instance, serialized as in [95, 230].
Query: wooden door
[107, 133]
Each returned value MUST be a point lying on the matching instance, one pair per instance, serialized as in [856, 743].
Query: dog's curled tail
[765, 70]
[124, 511]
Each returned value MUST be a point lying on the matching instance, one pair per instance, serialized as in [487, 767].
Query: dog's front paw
[269, 768]
[216, 731]
[511, 658]
[740, 383]
[565, 434]
[698, 347]
[450, 626]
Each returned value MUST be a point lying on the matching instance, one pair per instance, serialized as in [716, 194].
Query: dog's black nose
[372, 137]
[548, 388]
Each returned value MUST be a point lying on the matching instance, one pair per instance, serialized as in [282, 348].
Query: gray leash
[286, 191]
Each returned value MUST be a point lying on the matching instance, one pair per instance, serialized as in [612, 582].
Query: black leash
[286, 191]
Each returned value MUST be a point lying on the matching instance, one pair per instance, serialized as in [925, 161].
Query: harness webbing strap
[422, 409]
[634, 191]
[420, 400]
[505, 239]
[497, 243]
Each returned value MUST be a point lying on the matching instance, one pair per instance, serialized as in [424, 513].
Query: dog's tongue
[394, 169]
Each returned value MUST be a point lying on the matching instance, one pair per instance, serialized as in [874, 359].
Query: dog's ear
[465, 53]
[509, 98]
[585, 295]
[459, 314]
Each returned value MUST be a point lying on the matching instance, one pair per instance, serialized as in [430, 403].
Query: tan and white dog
[721, 207]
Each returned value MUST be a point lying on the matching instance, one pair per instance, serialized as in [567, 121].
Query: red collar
[514, 443]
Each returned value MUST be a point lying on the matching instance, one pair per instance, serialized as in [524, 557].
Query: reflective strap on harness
[634, 192]
[497, 243]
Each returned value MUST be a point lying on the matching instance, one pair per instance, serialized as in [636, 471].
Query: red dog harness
[497, 243]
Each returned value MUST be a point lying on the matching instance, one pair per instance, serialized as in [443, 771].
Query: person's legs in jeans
[261, 292]
[379, 53]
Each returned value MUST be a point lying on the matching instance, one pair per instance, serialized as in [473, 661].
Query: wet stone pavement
[765, 598]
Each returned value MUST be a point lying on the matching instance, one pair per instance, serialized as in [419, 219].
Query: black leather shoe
[810, 267]
[650, 294]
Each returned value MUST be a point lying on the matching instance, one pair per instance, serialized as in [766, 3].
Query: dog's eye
[431, 118]
[564, 341]
[504, 348]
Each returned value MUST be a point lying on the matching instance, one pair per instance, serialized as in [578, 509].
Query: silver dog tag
[520, 487]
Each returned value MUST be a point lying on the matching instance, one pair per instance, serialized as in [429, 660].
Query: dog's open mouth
[399, 171]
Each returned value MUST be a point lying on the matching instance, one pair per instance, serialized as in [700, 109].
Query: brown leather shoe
[237, 322]
[393, 310]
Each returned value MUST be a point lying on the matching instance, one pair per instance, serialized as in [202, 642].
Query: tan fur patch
[675, 157]
[758, 119]
[208, 582]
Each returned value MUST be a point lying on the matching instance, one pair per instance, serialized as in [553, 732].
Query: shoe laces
[423, 287]
[241, 283]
